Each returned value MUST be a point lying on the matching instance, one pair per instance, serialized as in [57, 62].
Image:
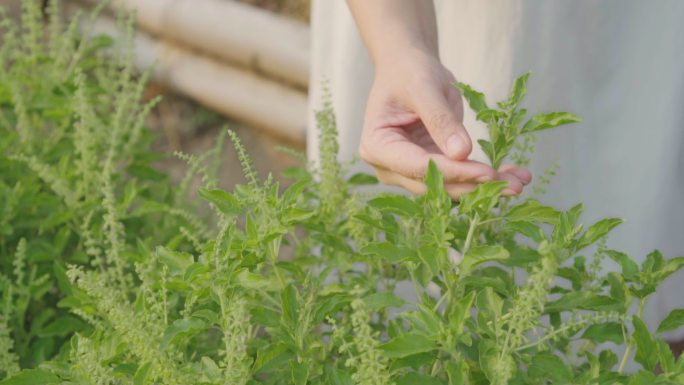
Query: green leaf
[408, 344]
[647, 349]
[62, 326]
[553, 367]
[609, 331]
[224, 201]
[488, 149]
[489, 115]
[31, 377]
[435, 184]
[176, 261]
[549, 120]
[338, 376]
[519, 90]
[475, 99]
[673, 321]
[457, 372]
[528, 229]
[379, 301]
[361, 178]
[585, 301]
[671, 266]
[396, 204]
[270, 357]
[290, 305]
[630, 270]
[481, 254]
[666, 357]
[532, 211]
[300, 372]
[643, 377]
[597, 231]
[180, 328]
[460, 313]
[390, 252]
[483, 198]
[254, 281]
[413, 378]
[141, 374]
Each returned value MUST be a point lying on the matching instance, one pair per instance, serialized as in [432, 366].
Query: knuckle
[439, 121]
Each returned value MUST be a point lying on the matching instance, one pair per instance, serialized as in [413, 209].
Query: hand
[415, 114]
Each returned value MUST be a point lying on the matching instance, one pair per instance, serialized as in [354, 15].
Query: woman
[618, 64]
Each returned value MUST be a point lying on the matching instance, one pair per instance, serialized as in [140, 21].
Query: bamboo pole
[265, 42]
[235, 92]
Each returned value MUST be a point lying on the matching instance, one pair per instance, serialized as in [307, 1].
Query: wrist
[393, 57]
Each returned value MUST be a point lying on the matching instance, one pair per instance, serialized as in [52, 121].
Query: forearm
[392, 29]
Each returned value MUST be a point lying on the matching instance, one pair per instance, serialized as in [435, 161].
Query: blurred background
[216, 66]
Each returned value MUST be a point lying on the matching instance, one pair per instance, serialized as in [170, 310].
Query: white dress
[618, 64]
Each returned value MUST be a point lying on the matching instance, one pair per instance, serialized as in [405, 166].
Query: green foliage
[77, 186]
[506, 125]
[301, 285]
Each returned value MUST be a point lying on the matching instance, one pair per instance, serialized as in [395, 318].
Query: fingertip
[458, 147]
[523, 174]
[515, 186]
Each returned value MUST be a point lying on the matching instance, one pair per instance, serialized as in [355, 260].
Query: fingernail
[455, 146]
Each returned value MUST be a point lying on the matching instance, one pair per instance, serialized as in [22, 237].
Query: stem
[471, 231]
[273, 251]
[630, 345]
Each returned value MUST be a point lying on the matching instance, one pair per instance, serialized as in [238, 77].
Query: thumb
[444, 125]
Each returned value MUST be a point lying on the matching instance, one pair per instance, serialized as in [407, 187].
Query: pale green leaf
[673, 321]
[408, 344]
[549, 120]
[224, 201]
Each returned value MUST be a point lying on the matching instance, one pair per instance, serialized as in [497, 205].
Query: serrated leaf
[647, 349]
[141, 374]
[673, 321]
[408, 344]
[224, 201]
[379, 301]
[435, 184]
[390, 252]
[268, 356]
[553, 119]
[553, 367]
[61, 327]
[604, 332]
[488, 149]
[483, 198]
[299, 371]
[176, 261]
[475, 99]
[585, 301]
[630, 270]
[179, 328]
[518, 91]
[481, 254]
[488, 115]
[396, 204]
[457, 372]
[597, 231]
[532, 211]
[31, 377]
[338, 376]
